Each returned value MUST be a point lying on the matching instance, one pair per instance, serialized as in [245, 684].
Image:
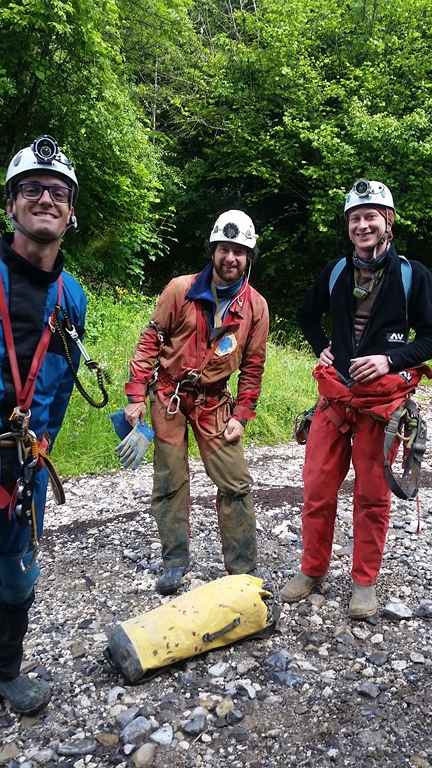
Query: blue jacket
[54, 382]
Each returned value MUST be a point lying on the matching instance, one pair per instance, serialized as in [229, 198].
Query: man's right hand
[326, 357]
[135, 411]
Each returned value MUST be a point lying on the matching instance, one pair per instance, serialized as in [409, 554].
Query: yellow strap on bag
[211, 616]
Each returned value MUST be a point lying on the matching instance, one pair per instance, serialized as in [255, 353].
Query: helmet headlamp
[43, 155]
[362, 187]
[45, 149]
[231, 231]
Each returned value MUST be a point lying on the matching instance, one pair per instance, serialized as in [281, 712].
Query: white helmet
[366, 192]
[234, 227]
[43, 156]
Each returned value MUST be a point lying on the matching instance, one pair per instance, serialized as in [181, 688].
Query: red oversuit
[349, 424]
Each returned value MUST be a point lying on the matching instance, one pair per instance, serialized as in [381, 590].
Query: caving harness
[405, 424]
[190, 383]
[18, 497]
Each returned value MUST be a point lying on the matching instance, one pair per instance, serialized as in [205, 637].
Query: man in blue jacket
[36, 382]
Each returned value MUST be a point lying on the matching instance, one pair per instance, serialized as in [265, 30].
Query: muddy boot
[299, 587]
[363, 602]
[25, 696]
[171, 580]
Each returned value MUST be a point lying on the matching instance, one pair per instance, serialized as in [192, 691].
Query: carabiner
[173, 406]
[73, 333]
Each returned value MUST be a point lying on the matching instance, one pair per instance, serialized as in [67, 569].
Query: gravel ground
[337, 693]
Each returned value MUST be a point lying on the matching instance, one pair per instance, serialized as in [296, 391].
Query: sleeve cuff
[243, 414]
[135, 391]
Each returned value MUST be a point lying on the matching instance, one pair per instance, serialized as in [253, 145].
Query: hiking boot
[171, 579]
[25, 696]
[363, 602]
[299, 587]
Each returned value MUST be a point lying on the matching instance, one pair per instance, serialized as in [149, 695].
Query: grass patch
[115, 318]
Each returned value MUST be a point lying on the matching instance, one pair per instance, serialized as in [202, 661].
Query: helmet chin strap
[381, 241]
[40, 239]
[385, 237]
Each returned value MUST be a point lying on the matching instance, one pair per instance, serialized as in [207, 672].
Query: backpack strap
[406, 273]
[334, 274]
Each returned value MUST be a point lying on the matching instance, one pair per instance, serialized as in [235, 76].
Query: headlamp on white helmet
[234, 227]
[371, 193]
[42, 156]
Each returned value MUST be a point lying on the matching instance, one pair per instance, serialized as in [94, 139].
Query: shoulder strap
[24, 392]
[334, 274]
[406, 272]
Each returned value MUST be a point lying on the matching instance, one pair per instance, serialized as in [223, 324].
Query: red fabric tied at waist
[379, 398]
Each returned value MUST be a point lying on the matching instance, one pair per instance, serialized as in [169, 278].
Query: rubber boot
[24, 695]
[299, 587]
[363, 602]
[171, 580]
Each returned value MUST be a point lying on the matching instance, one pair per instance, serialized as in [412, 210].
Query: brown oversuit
[178, 341]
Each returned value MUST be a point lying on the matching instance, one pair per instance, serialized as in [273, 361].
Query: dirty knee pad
[16, 583]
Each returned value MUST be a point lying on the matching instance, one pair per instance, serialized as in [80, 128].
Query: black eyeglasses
[33, 190]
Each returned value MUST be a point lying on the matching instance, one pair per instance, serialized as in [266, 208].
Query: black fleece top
[389, 324]
[27, 299]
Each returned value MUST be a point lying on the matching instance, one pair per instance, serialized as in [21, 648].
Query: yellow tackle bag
[210, 616]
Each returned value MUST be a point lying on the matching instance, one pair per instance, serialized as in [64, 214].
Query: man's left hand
[369, 367]
[234, 431]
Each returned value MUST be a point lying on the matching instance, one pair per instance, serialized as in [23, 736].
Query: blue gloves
[135, 440]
